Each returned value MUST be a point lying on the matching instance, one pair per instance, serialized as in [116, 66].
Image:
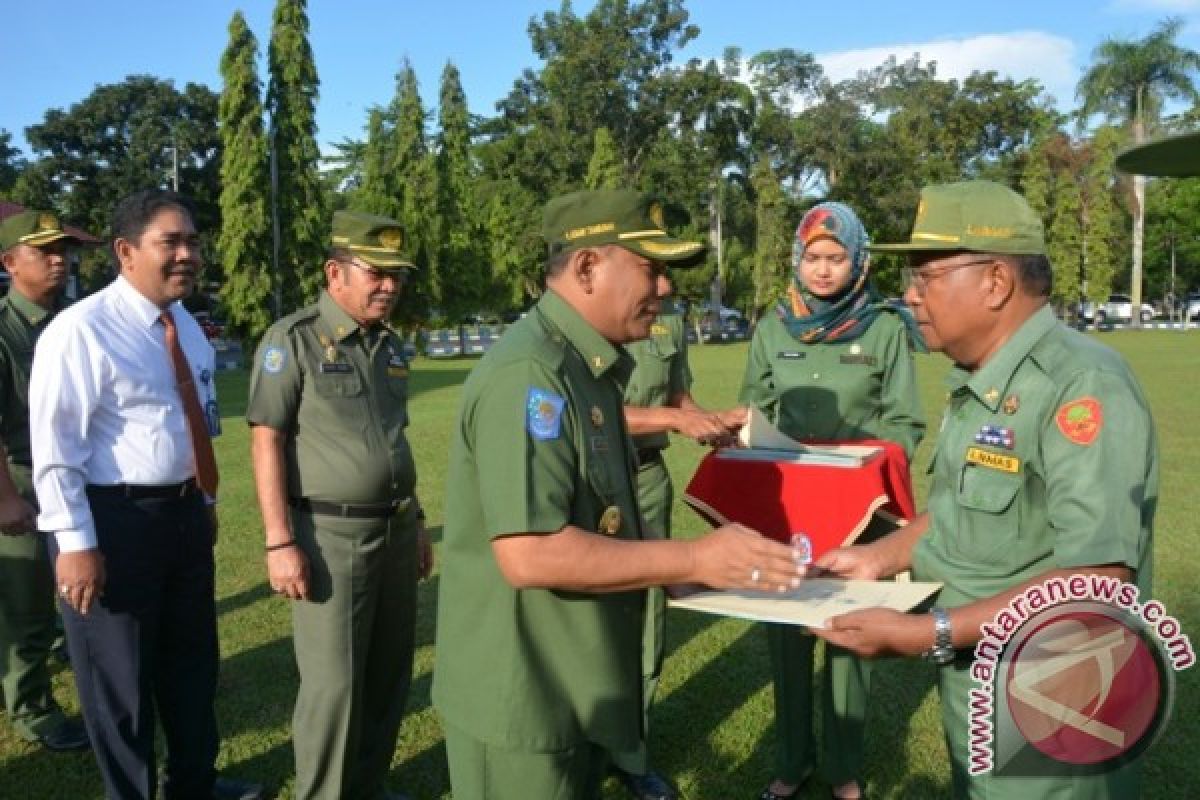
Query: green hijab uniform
[829, 370]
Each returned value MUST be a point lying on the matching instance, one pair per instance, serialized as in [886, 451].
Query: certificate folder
[814, 602]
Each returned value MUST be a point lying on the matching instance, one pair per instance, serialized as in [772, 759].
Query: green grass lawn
[713, 726]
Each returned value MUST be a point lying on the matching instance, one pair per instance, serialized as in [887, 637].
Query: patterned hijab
[847, 315]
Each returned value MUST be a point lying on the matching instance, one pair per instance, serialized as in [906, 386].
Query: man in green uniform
[542, 600]
[33, 247]
[1046, 465]
[658, 400]
[328, 406]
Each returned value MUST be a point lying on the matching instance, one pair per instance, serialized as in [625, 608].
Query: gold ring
[64, 589]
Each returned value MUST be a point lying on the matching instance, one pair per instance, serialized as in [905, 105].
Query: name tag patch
[791, 355]
[543, 413]
[397, 372]
[336, 368]
[986, 458]
[859, 358]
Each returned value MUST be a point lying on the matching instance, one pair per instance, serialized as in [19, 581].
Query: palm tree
[1128, 83]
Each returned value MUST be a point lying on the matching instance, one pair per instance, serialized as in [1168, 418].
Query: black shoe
[651, 786]
[233, 789]
[66, 737]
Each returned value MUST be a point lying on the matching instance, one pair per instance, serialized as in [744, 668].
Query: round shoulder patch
[1080, 420]
[273, 359]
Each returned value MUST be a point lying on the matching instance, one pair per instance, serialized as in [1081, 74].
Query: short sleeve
[1097, 448]
[275, 383]
[521, 432]
[900, 401]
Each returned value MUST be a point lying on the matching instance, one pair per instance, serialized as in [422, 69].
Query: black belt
[140, 492]
[350, 510]
[648, 455]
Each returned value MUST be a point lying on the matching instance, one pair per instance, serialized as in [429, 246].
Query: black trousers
[150, 644]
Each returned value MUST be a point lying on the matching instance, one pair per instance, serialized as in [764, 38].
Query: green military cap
[615, 216]
[1175, 155]
[377, 240]
[981, 216]
[34, 228]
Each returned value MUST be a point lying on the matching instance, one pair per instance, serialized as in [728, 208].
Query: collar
[341, 326]
[146, 312]
[31, 311]
[600, 354]
[990, 382]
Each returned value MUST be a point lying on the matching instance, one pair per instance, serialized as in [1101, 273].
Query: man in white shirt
[126, 481]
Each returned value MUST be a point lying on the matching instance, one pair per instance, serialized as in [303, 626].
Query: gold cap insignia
[610, 521]
[1011, 404]
[391, 238]
[47, 222]
[656, 215]
[597, 416]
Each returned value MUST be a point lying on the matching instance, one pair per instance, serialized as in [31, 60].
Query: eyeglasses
[380, 275]
[919, 278]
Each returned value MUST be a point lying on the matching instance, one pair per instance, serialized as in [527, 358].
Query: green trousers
[480, 771]
[354, 647]
[27, 627]
[954, 685]
[844, 693]
[655, 496]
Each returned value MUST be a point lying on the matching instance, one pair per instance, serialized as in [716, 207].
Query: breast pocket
[989, 519]
[338, 387]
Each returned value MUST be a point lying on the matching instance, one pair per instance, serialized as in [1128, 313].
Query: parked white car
[1118, 308]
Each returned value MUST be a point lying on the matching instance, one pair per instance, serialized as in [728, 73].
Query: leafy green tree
[374, 194]
[1128, 83]
[297, 198]
[1070, 184]
[604, 170]
[11, 163]
[122, 138]
[772, 250]
[460, 266]
[411, 190]
[244, 244]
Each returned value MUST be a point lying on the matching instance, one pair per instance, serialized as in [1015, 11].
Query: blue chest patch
[543, 413]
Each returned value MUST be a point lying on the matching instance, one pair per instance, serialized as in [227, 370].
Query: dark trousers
[150, 644]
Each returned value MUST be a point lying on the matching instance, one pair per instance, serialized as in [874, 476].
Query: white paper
[762, 441]
[812, 604]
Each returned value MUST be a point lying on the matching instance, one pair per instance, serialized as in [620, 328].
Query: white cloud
[1018, 55]
[1175, 6]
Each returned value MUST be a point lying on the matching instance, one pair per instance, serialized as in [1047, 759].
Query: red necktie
[202, 450]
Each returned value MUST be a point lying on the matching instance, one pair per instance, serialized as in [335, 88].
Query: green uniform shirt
[661, 372]
[540, 444]
[340, 393]
[21, 323]
[1047, 459]
[860, 389]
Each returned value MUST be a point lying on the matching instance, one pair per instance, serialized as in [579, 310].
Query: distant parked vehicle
[1118, 308]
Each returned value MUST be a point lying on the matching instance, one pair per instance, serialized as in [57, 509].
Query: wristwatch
[942, 652]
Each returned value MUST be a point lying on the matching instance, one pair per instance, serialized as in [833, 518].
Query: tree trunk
[1139, 222]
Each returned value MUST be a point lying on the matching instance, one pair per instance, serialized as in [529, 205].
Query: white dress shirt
[104, 408]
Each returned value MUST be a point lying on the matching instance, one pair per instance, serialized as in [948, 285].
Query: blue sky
[54, 61]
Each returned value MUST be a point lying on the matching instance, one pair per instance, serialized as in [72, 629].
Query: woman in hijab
[833, 364]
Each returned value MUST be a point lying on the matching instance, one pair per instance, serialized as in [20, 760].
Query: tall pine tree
[461, 279]
[244, 244]
[299, 202]
[411, 187]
